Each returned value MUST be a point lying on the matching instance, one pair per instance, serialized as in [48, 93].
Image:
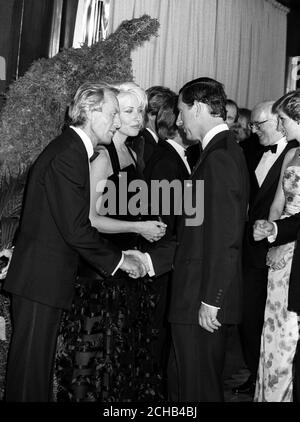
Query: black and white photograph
[149, 204]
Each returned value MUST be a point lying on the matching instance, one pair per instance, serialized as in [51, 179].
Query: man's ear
[197, 108]
[89, 114]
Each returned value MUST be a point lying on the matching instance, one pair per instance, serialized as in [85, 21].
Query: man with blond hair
[55, 231]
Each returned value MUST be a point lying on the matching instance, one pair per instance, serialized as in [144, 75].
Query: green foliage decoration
[34, 113]
[36, 103]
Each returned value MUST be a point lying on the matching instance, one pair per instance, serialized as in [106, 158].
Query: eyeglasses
[256, 125]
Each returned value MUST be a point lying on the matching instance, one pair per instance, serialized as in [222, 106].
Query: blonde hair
[89, 96]
[135, 89]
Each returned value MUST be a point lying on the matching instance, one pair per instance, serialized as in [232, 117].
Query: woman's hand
[152, 230]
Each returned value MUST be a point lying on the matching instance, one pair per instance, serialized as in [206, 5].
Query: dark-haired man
[206, 283]
[232, 112]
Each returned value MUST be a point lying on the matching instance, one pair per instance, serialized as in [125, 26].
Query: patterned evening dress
[280, 331]
[103, 351]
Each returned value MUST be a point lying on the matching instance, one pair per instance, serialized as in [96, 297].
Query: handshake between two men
[135, 263]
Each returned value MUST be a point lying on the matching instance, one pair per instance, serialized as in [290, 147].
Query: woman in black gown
[103, 351]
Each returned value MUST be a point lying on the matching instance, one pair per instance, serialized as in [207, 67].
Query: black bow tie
[272, 148]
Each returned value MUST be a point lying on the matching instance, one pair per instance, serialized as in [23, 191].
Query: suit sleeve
[67, 190]
[288, 229]
[162, 252]
[224, 218]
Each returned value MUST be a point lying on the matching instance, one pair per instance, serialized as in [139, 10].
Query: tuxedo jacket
[207, 264]
[150, 145]
[166, 164]
[261, 199]
[55, 228]
[289, 231]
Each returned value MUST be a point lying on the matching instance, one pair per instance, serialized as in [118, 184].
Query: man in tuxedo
[156, 95]
[280, 232]
[54, 232]
[167, 163]
[206, 282]
[264, 165]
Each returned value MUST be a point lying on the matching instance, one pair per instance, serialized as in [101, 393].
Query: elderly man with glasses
[264, 168]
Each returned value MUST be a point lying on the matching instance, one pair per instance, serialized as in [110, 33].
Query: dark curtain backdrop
[36, 30]
[68, 23]
[25, 31]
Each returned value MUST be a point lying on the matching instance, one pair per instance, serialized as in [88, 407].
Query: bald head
[266, 123]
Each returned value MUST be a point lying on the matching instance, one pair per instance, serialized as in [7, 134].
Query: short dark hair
[207, 91]
[166, 118]
[289, 104]
[245, 112]
[234, 104]
[156, 97]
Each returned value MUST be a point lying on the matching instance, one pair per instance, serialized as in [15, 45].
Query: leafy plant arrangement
[34, 113]
[36, 103]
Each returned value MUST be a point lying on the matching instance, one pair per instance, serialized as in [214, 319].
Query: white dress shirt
[153, 134]
[268, 159]
[181, 152]
[212, 133]
[86, 141]
[90, 151]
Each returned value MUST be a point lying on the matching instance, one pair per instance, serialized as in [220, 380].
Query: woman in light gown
[104, 347]
[280, 331]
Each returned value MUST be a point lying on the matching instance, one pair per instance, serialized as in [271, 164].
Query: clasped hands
[135, 263]
[262, 229]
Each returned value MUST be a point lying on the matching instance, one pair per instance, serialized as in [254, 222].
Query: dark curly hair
[166, 118]
[156, 96]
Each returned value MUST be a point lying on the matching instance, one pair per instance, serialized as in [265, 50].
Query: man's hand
[133, 266]
[141, 257]
[262, 229]
[208, 318]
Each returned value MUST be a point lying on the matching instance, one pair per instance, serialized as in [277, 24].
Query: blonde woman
[103, 354]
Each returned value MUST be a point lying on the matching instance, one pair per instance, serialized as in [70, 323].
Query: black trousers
[161, 344]
[195, 371]
[254, 301]
[32, 350]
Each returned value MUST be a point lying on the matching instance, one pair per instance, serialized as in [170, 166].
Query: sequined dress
[280, 331]
[103, 351]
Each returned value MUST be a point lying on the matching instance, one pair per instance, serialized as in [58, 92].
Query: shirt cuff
[272, 238]
[119, 265]
[151, 272]
[210, 306]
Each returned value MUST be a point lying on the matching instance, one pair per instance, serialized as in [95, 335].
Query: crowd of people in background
[127, 306]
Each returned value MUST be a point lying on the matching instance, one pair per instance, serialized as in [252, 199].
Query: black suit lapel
[176, 156]
[273, 174]
[210, 147]
[76, 140]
